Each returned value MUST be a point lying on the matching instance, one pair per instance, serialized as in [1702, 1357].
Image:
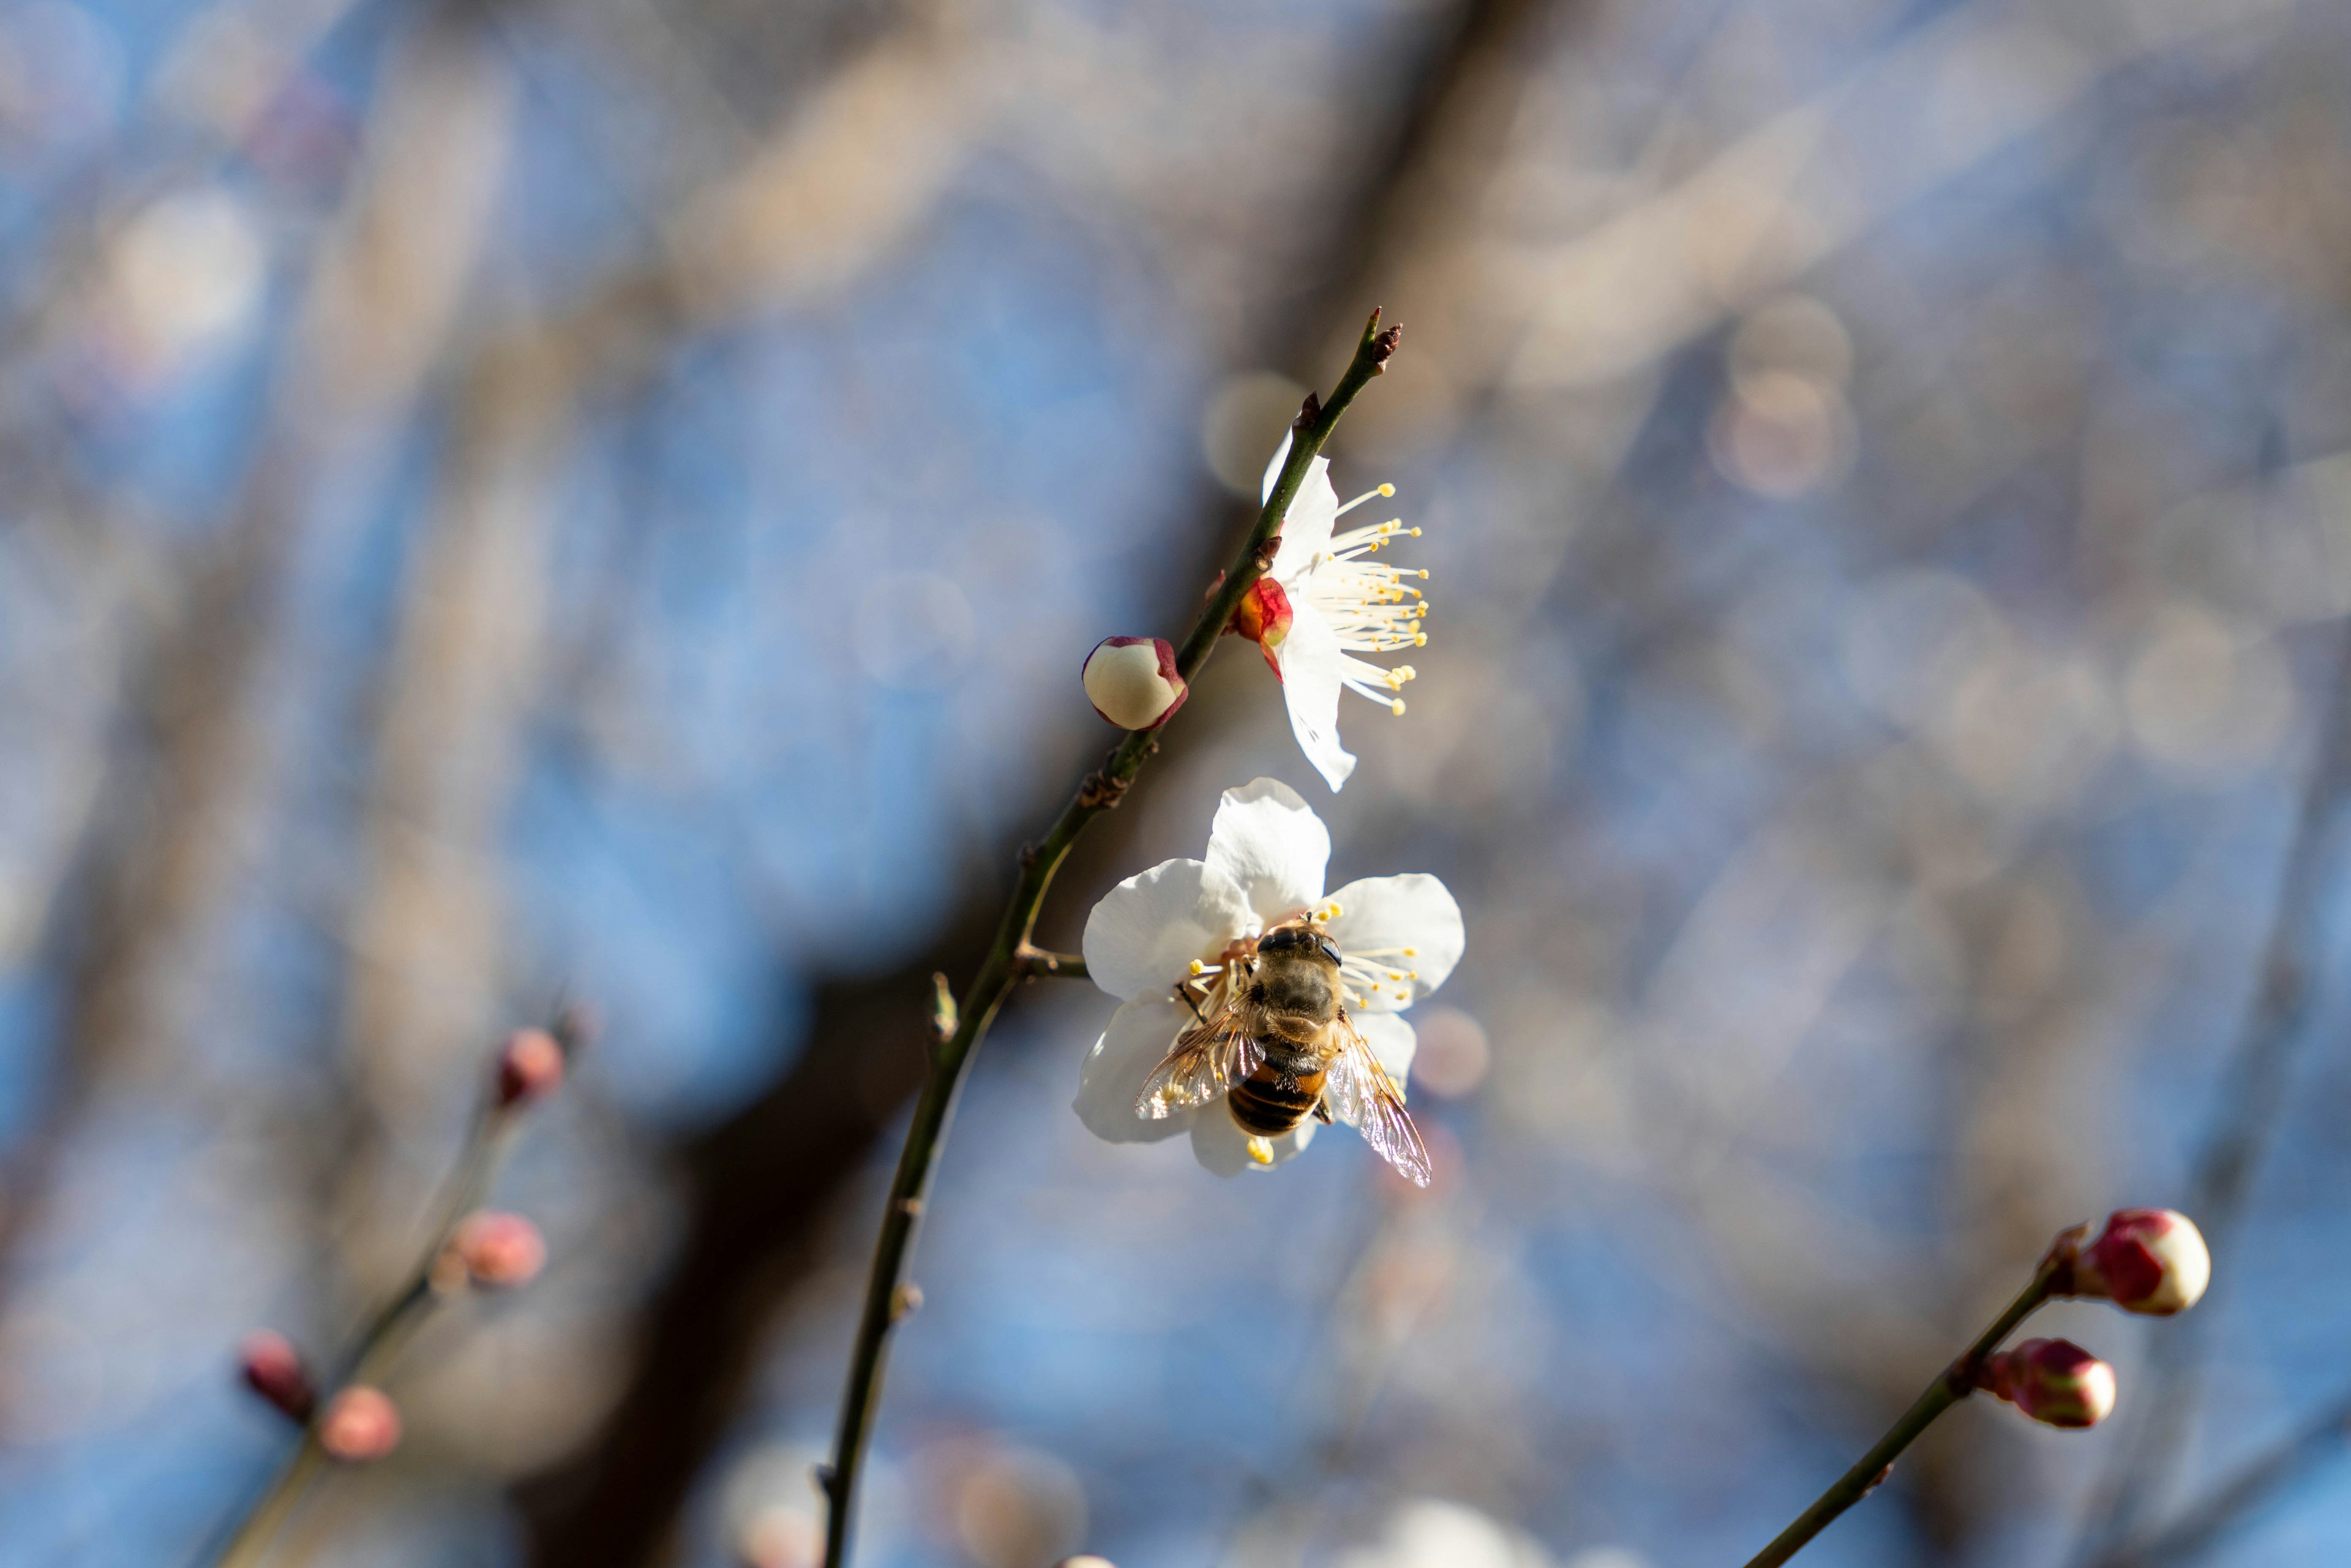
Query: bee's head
[1301, 941]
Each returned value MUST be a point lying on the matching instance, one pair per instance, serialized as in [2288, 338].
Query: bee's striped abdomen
[1270, 1102]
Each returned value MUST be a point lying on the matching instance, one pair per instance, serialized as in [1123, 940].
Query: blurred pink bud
[1085, 1560]
[2054, 1381]
[1133, 682]
[2149, 1260]
[360, 1423]
[273, 1368]
[1264, 616]
[499, 1251]
[530, 1064]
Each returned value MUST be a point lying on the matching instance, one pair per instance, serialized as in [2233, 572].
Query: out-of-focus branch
[2251, 1095]
[161, 860]
[2211, 1519]
[763, 1183]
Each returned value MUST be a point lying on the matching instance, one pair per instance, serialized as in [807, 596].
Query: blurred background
[517, 500]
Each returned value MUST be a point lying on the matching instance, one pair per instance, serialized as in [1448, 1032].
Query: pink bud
[360, 1423]
[530, 1064]
[1263, 616]
[2149, 1260]
[2054, 1381]
[1133, 682]
[273, 1368]
[1085, 1560]
[499, 1251]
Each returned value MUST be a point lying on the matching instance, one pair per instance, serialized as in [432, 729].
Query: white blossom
[1184, 920]
[1322, 601]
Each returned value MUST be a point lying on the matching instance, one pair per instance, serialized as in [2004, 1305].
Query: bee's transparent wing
[1207, 1060]
[1360, 1093]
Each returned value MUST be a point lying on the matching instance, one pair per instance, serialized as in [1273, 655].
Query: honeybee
[1280, 1049]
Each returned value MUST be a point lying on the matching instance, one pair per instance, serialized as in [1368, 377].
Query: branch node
[905, 1300]
[1102, 791]
[911, 1207]
[1384, 348]
[1308, 412]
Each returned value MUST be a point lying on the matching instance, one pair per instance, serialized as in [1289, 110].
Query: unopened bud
[1263, 616]
[273, 1368]
[2054, 1381]
[2151, 1261]
[1133, 682]
[499, 1251]
[530, 1064]
[360, 1423]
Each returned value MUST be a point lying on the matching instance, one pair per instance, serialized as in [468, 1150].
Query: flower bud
[2054, 1381]
[498, 1250]
[1085, 1560]
[1263, 616]
[530, 1064]
[1133, 682]
[360, 1423]
[273, 1368]
[2149, 1260]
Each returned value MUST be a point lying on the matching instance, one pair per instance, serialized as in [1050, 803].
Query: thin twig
[1957, 1382]
[389, 1333]
[1032, 962]
[887, 1297]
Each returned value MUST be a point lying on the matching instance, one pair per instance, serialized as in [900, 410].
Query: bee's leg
[1322, 1110]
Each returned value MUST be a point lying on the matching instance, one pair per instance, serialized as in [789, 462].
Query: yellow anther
[1261, 1151]
[1396, 707]
[1412, 952]
[1335, 911]
[1395, 974]
[1420, 640]
[1198, 968]
[1424, 574]
[1388, 490]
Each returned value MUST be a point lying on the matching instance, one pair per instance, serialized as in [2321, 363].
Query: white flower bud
[1133, 682]
[2149, 1260]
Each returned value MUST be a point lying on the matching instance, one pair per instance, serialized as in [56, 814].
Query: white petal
[1271, 843]
[1220, 1145]
[1381, 916]
[1392, 1039]
[1314, 512]
[1143, 934]
[1310, 660]
[1140, 1034]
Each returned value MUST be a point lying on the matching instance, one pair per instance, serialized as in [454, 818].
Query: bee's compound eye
[1282, 940]
[1330, 948]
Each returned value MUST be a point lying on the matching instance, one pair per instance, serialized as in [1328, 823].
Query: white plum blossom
[1320, 603]
[1183, 920]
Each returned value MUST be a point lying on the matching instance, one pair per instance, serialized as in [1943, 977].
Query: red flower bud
[273, 1368]
[498, 1250]
[2149, 1260]
[360, 1423]
[2054, 1381]
[1263, 616]
[1133, 682]
[530, 1064]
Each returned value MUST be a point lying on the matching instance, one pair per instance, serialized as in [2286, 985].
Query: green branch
[1957, 1382]
[888, 1297]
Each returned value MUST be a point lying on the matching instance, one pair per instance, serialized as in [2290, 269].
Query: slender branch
[1957, 1382]
[378, 1344]
[888, 1297]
